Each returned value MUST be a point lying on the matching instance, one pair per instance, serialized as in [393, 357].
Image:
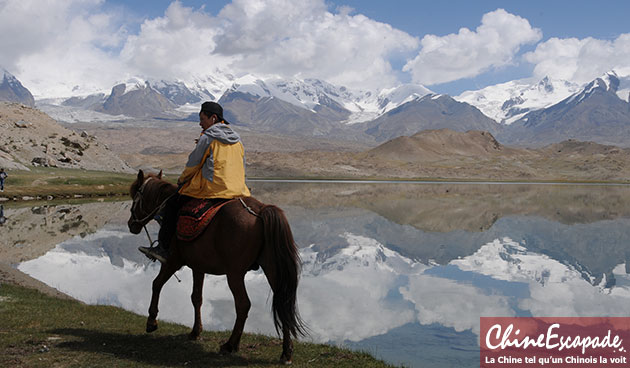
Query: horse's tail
[285, 268]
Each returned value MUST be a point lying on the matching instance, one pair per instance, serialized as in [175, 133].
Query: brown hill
[434, 145]
[575, 147]
[29, 137]
[446, 154]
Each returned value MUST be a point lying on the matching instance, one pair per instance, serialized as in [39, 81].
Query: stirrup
[151, 254]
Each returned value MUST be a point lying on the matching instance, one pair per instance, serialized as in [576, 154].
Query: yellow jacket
[216, 167]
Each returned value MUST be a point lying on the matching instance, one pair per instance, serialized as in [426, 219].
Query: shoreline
[13, 276]
[70, 192]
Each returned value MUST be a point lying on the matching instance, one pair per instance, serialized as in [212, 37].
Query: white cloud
[54, 46]
[83, 46]
[178, 45]
[469, 53]
[87, 44]
[452, 304]
[303, 39]
[581, 60]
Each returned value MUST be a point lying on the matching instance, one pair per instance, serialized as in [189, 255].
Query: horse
[243, 235]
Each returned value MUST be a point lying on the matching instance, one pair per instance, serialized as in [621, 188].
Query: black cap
[210, 108]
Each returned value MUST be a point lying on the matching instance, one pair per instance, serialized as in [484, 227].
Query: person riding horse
[215, 171]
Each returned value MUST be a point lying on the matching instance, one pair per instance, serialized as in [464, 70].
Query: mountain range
[595, 113]
[516, 113]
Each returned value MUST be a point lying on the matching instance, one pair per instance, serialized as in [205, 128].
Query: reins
[137, 201]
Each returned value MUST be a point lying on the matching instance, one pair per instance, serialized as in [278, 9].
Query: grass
[58, 183]
[42, 331]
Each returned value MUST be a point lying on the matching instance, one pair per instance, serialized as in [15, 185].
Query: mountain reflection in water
[402, 270]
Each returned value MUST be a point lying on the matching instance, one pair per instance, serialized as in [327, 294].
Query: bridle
[137, 203]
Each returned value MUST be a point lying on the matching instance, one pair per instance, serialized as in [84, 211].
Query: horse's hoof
[285, 361]
[286, 358]
[152, 326]
[226, 349]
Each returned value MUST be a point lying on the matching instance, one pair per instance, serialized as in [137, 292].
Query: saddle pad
[195, 215]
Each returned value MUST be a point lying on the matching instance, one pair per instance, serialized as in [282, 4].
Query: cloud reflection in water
[379, 275]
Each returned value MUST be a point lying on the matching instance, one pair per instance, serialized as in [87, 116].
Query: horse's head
[141, 209]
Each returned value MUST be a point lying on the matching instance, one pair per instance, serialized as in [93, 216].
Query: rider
[215, 170]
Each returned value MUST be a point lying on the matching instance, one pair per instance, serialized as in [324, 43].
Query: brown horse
[236, 241]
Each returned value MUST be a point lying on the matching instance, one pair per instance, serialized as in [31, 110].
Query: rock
[44, 161]
[39, 161]
[22, 124]
[73, 143]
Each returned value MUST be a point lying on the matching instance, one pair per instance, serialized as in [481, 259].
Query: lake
[402, 270]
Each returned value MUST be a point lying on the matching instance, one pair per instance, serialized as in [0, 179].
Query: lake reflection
[401, 270]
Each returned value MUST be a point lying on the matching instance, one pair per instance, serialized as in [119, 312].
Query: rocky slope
[29, 137]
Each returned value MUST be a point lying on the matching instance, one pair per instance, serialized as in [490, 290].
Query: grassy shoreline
[54, 183]
[42, 331]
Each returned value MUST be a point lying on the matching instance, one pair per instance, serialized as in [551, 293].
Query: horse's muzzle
[134, 227]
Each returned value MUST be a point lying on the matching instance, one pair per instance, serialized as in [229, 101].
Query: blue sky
[557, 18]
[448, 46]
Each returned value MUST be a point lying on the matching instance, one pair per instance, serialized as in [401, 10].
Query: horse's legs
[242, 304]
[166, 271]
[197, 299]
[287, 346]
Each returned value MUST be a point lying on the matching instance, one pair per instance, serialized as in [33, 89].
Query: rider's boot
[158, 252]
[167, 223]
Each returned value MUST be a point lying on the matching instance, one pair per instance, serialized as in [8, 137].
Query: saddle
[195, 215]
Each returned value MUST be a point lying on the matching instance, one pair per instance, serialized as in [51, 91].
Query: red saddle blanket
[195, 215]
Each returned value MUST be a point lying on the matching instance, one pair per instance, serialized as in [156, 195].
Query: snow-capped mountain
[508, 102]
[12, 90]
[505, 259]
[361, 252]
[313, 94]
[595, 113]
[429, 112]
[316, 108]
[136, 98]
[329, 102]
[178, 93]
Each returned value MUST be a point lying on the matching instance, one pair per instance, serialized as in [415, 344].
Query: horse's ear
[160, 175]
[140, 176]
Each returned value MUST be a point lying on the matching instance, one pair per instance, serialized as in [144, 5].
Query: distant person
[3, 175]
[215, 170]
[2, 218]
